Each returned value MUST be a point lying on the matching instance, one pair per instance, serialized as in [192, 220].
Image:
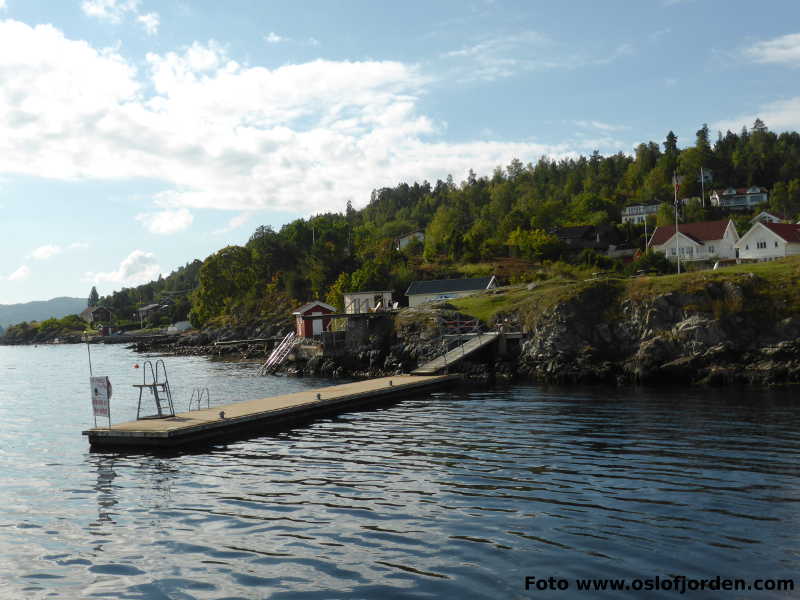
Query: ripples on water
[459, 494]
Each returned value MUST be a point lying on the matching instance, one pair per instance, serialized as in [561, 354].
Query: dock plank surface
[208, 423]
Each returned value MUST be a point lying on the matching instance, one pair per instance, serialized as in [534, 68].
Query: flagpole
[677, 248]
[702, 188]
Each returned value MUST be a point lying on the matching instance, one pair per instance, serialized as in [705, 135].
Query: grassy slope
[774, 291]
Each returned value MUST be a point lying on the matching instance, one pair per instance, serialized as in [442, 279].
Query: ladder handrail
[280, 352]
[155, 386]
[197, 395]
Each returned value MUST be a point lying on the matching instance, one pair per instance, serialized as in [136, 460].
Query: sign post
[101, 395]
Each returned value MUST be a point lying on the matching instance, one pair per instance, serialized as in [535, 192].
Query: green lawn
[770, 287]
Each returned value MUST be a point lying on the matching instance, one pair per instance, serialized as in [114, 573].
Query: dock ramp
[462, 351]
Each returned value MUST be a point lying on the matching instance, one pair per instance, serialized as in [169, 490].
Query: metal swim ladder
[279, 354]
[162, 395]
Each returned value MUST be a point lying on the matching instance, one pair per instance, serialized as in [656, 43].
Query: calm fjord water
[459, 494]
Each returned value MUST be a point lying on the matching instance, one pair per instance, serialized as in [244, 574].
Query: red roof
[790, 233]
[314, 305]
[703, 231]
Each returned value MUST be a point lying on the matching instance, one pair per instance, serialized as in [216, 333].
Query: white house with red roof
[704, 240]
[768, 241]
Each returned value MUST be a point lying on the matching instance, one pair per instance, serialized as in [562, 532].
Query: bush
[592, 258]
[650, 262]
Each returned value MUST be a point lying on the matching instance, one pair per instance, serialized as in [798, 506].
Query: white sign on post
[101, 394]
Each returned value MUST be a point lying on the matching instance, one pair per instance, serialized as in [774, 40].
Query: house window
[672, 251]
[776, 244]
[747, 246]
[711, 249]
[761, 244]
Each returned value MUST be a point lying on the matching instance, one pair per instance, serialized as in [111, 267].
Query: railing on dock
[197, 398]
[279, 354]
[457, 340]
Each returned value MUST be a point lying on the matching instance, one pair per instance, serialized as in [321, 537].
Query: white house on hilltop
[739, 198]
[705, 240]
[768, 241]
[638, 213]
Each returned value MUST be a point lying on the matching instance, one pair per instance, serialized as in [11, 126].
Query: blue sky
[138, 135]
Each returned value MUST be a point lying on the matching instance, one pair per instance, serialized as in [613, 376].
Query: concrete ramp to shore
[472, 345]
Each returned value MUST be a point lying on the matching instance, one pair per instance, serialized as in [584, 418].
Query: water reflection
[460, 494]
[106, 493]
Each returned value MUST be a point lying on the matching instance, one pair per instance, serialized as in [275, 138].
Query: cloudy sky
[137, 135]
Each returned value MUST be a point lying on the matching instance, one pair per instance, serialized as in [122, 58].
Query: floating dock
[240, 418]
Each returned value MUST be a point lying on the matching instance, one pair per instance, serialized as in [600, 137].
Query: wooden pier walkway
[256, 415]
[471, 345]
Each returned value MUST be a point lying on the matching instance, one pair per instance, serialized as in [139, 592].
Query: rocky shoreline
[722, 333]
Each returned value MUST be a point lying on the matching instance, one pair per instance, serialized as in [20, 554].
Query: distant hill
[10, 314]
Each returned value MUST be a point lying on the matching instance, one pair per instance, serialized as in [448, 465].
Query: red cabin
[305, 327]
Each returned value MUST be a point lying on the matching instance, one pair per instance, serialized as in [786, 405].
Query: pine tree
[94, 297]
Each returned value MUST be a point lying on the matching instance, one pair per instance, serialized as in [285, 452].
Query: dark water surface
[459, 494]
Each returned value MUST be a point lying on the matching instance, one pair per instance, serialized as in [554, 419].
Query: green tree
[665, 214]
[93, 297]
[669, 160]
[535, 244]
[779, 198]
[335, 295]
[226, 279]
[693, 211]
[440, 234]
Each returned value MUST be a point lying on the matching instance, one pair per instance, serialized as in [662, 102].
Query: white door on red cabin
[316, 327]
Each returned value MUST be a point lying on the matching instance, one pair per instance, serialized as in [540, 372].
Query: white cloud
[600, 125]
[784, 49]
[166, 221]
[137, 268]
[47, 251]
[116, 11]
[301, 137]
[50, 250]
[3, 5]
[274, 38]
[22, 273]
[510, 55]
[150, 22]
[109, 10]
[234, 223]
[782, 115]
[658, 34]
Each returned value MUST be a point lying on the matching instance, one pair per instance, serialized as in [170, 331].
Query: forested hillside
[39, 310]
[473, 227]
